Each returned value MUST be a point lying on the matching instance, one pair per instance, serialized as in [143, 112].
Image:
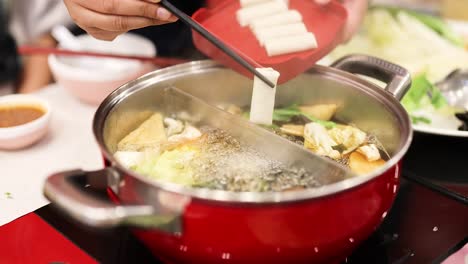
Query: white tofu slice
[283, 18]
[246, 15]
[263, 98]
[246, 3]
[371, 152]
[264, 34]
[129, 158]
[290, 44]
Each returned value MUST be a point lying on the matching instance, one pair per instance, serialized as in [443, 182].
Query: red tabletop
[30, 239]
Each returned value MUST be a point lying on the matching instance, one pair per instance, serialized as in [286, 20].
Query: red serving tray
[326, 22]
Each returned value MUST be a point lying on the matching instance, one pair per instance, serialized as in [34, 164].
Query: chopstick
[160, 61]
[214, 40]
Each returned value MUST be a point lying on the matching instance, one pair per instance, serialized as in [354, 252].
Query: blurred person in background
[27, 22]
[106, 19]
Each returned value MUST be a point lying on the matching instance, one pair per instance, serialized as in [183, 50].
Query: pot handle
[63, 190]
[397, 78]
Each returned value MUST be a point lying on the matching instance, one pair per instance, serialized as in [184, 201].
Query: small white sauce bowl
[24, 135]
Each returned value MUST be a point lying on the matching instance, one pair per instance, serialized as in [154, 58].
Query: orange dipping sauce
[15, 115]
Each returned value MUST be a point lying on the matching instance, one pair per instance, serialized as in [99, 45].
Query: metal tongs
[455, 88]
[265, 142]
[214, 40]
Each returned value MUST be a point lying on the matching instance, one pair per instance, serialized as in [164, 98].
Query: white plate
[446, 127]
[441, 125]
[440, 131]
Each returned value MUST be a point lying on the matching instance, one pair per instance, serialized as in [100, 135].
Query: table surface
[69, 144]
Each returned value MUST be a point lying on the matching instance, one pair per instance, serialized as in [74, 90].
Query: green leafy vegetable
[170, 166]
[437, 99]
[287, 113]
[340, 148]
[419, 88]
[420, 119]
[438, 26]
[401, 38]
[422, 93]
[434, 23]
[418, 42]
[327, 124]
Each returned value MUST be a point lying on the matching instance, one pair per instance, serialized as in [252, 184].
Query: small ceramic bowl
[21, 136]
[92, 79]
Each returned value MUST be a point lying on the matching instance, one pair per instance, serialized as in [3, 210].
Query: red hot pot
[188, 225]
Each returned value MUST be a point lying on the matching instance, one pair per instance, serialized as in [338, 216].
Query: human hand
[106, 19]
[356, 12]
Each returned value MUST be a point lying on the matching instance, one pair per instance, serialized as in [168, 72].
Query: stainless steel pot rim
[248, 197]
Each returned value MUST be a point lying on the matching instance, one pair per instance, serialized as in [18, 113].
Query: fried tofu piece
[294, 130]
[321, 111]
[360, 165]
[150, 134]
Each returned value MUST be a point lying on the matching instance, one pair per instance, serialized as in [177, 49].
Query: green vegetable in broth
[287, 113]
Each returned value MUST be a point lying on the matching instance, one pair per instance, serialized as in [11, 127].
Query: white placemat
[69, 144]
